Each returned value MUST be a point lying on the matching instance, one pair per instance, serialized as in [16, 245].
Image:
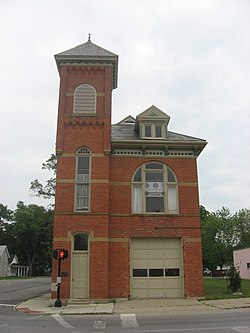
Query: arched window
[83, 159]
[85, 99]
[154, 189]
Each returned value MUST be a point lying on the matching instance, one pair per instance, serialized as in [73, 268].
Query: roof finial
[89, 40]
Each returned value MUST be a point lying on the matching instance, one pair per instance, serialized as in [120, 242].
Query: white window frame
[153, 130]
[170, 191]
[85, 182]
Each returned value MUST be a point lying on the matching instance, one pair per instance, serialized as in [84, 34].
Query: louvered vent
[85, 99]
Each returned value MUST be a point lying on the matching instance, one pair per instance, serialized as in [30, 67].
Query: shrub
[234, 280]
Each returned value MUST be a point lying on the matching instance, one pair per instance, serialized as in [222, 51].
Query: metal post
[58, 302]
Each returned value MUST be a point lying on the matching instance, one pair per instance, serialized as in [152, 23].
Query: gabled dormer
[127, 121]
[152, 124]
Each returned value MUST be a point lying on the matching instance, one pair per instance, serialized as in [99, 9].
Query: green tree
[243, 228]
[219, 237]
[227, 235]
[28, 234]
[47, 190]
[209, 232]
[5, 214]
[6, 228]
[33, 232]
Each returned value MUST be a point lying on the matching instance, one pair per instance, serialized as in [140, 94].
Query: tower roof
[88, 54]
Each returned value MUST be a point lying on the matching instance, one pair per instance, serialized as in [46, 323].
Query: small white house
[4, 260]
[15, 269]
[9, 264]
[242, 262]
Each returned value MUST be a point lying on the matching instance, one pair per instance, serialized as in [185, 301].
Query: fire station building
[127, 203]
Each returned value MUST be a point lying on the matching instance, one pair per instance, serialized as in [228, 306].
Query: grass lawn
[216, 288]
[15, 277]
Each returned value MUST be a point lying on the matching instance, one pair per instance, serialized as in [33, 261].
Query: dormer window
[152, 124]
[153, 131]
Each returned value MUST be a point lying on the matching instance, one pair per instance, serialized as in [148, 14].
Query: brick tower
[88, 74]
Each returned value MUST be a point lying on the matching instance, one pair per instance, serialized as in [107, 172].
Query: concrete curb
[42, 305]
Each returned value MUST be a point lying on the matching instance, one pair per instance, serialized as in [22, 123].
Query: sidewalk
[42, 305]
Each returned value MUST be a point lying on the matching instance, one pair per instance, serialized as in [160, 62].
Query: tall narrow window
[154, 190]
[85, 99]
[83, 179]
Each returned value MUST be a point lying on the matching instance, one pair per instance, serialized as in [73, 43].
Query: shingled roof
[88, 53]
[127, 132]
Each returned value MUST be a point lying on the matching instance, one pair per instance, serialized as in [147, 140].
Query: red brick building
[127, 205]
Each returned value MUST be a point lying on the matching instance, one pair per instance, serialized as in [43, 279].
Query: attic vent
[85, 99]
[129, 121]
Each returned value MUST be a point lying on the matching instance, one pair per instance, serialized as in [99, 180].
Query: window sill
[83, 115]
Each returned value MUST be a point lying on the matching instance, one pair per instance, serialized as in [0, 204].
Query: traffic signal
[60, 254]
[63, 254]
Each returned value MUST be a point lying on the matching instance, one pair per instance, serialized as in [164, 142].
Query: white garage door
[156, 268]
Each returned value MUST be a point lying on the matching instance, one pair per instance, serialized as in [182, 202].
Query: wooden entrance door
[80, 268]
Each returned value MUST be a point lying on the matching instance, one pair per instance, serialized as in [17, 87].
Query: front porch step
[79, 301]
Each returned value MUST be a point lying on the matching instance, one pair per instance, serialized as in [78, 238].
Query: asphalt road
[236, 321]
[14, 291]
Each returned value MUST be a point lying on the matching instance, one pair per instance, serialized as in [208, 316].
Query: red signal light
[60, 254]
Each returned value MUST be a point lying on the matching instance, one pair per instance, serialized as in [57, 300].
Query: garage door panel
[172, 263]
[173, 253]
[139, 244]
[140, 293]
[140, 263]
[173, 283]
[155, 293]
[156, 283]
[171, 293]
[155, 243]
[153, 254]
[140, 253]
[155, 263]
[140, 283]
[171, 244]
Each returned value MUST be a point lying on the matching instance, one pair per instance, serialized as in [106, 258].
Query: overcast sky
[190, 58]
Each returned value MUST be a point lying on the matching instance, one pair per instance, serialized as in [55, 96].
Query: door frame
[71, 264]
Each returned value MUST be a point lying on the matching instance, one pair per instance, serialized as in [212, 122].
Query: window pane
[158, 131]
[137, 177]
[148, 131]
[83, 165]
[140, 272]
[82, 178]
[81, 242]
[172, 199]
[154, 176]
[172, 272]
[156, 272]
[154, 166]
[82, 196]
[155, 204]
[137, 189]
[171, 177]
